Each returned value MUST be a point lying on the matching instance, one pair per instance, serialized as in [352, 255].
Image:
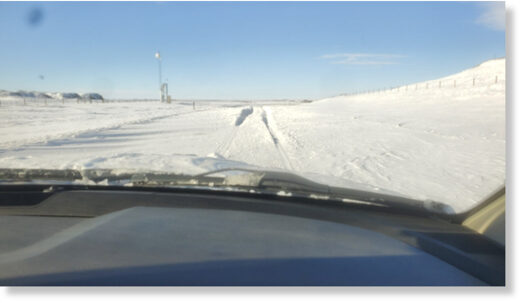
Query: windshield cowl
[235, 179]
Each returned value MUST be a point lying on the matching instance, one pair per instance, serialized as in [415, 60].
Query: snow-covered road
[422, 141]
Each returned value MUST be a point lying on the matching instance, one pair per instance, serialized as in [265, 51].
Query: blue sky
[230, 50]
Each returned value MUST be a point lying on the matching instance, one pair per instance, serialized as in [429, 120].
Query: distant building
[92, 96]
[69, 96]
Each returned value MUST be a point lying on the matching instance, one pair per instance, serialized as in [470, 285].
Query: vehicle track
[261, 119]
[270, 124]
[224, 148]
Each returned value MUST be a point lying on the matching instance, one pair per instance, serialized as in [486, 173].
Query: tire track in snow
[243, 115]
[273, 132]
[223, 149]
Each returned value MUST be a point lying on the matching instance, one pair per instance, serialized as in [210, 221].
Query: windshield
[405, 99]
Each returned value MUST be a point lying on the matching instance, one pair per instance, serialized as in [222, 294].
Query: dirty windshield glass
[398, 98]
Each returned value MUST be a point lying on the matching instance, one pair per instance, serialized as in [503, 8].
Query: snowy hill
[485, 79]
[443, 142]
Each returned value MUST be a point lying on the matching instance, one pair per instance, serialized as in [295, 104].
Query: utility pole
[159, 59]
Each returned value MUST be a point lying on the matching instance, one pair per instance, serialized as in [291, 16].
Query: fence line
[475, 81]
[30, 101]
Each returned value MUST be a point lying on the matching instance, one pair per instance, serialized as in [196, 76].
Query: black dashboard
[131, 237]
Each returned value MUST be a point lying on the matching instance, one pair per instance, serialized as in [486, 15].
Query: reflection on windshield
[189, 88]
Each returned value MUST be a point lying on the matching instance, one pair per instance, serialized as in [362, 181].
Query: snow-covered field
[442, 140]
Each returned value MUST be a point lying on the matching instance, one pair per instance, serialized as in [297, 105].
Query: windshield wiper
[293, 183]
[258, 179]
[262, 181]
